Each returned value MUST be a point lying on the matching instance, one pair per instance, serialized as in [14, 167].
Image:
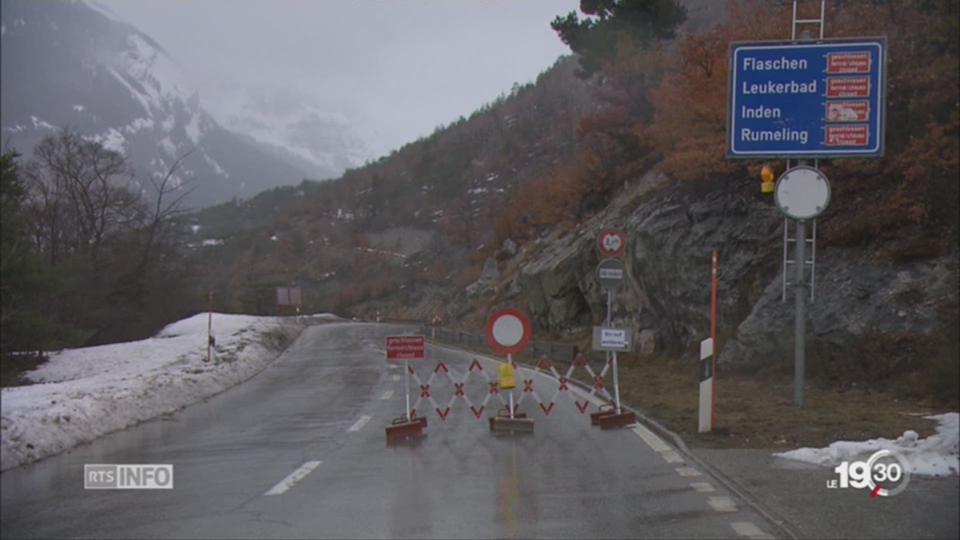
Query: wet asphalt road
[567, 480]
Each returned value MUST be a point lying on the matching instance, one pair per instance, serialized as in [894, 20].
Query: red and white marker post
[708, 359]
[405, 348]
[508, 332]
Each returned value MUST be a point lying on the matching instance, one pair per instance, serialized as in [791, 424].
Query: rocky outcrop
[672, 230]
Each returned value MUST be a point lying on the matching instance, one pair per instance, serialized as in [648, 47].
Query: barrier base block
[404, 430]
[605, 410]
[503, 424]
[617, 421]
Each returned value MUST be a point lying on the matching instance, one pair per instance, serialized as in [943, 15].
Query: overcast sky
[393, 70]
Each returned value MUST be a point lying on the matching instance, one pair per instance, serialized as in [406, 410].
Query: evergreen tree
[596, 37]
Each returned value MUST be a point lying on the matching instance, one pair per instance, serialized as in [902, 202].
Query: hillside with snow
[75, 65]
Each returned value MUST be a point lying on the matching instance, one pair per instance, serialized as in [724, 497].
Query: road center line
[358, 425]
[702, 487]
[293, 478]
[687, 471]
[748, 530]
[722, 504]
[387, 395]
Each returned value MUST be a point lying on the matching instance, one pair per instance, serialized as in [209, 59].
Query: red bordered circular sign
[508, 331]
[612, 243]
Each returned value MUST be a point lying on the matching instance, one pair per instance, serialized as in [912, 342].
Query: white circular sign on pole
[802, 192]
[508, 331]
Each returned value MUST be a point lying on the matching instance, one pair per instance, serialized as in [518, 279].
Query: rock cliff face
[672, 229]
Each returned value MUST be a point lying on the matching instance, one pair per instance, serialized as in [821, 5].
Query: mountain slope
[69, 65]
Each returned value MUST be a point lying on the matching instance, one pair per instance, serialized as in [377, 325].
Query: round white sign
[508, 330]
[802, 192]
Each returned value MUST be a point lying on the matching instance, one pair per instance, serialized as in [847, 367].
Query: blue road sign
[807, 99]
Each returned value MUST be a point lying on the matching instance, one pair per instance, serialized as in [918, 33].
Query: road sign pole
[616, 383]
[406, 384]
[800, 321]
[609, 306]
[510, 361]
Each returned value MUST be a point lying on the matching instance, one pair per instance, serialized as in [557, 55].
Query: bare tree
[168, 204]
[84, 192]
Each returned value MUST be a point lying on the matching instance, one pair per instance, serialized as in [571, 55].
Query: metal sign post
[805, 99]
[610, 274]
[802, 193]
[508, 332]
[405, 348]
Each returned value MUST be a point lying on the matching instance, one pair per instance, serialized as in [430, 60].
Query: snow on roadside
[83, 394]
[937, 455]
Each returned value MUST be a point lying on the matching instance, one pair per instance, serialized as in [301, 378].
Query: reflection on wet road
[309, 431]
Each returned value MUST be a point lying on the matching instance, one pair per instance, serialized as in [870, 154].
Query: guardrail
[536, 349]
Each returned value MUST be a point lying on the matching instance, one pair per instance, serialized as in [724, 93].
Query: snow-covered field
[82, 394]
[937, 455]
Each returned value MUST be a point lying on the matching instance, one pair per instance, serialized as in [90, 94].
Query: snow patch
[41, 124]
[83, 394]
[111, 140]
[167, 144]
[138, 124]
[937, 455]
[216, 166]
[193, 128]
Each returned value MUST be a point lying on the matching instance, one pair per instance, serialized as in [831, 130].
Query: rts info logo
[101, 476]
[885, 474]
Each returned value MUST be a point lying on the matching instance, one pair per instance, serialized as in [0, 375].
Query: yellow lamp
[768, 176]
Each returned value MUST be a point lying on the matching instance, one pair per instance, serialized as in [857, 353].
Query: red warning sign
[405, 348]
[849, 62]
[841, 87]
[848, 135]
[848, 111]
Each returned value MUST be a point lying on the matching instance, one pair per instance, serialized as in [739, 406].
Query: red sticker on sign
[405, 348]
[848, 111]
[848, 62]
[848, 135]
[841, 87]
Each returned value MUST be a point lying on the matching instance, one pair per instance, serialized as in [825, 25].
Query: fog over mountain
[75, 65]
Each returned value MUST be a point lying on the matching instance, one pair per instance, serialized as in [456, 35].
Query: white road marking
[395, 377]
[702, 487]
[358, 425]
[687, 471]
[671, 456]
[387, 395]
[648, 437]
[747, 529]
[722, 504]
[293, 478]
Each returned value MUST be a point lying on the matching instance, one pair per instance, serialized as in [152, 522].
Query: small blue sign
[823, 99]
